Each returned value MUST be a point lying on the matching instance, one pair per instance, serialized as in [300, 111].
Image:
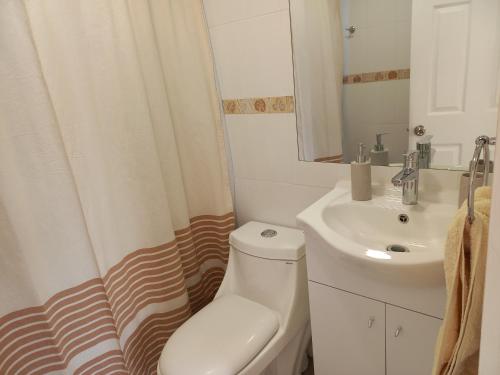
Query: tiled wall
[377, 56]
[382, 38]
[241, 30]
[252, 48]
[376, 107]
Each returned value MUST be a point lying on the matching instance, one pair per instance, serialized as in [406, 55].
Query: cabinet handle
[370, 322]
[398, 331]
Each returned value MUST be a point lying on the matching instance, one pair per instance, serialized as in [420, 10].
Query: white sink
[361, 232]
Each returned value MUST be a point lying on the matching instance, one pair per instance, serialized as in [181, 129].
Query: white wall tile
[381, 44]
[382, 39]
[220, 12]
[385, 109]
[380, 12]
[272, 202]
[254, 56]
[381, 102]
[356, 11]
[263, 147]
[320, 174]
[403, 10]
[403, 45]
[357, 49]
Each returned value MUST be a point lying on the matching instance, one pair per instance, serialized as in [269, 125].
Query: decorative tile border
[386, 75]
[331, 159]
[250, 106]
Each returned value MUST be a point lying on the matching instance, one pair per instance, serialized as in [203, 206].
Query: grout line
[248, 18]
[317, 186]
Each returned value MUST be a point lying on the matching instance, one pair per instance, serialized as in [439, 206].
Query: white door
[489, 360]
[454, 75]
[411, 339]
[348, 332]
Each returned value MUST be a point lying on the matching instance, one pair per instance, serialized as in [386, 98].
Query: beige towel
[457, 347]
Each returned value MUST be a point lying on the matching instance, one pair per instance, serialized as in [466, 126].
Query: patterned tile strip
[250, 106]
[387, 75]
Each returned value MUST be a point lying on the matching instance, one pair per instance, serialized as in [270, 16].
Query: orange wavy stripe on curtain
[45, 338]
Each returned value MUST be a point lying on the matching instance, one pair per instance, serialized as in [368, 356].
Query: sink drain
[398, 249]
[403, 218]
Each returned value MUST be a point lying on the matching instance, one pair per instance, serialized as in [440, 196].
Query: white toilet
[258, 322]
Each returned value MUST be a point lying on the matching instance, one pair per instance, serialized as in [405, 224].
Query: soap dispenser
[378, 154]
[361, 176]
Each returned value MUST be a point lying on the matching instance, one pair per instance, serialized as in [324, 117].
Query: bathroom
[218, 187]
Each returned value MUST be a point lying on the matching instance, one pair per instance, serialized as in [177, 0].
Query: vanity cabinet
[410, 341]
[355, 335]
[346, 328]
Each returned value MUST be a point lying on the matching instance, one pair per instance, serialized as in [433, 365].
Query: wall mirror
[395, 75]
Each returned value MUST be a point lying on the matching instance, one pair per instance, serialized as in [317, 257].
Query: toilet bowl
[258, 322]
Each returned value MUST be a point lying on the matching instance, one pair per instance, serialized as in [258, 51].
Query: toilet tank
[267, 265]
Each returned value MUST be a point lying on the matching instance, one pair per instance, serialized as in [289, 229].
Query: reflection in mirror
[395, 76]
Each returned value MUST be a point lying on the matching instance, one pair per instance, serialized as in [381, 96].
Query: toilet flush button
[268, 233]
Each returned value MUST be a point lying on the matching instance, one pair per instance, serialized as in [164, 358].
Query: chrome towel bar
[482, 144]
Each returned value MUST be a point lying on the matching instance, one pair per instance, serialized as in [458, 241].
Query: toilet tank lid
[268, 241]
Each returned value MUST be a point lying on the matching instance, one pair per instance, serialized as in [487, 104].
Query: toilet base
[290, 360]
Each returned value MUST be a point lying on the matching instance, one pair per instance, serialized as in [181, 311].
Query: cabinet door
[411, 339]
[348, 332]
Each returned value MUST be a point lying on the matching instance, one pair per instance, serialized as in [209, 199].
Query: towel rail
[482, 144]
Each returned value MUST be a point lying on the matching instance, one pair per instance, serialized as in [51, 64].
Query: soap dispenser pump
[361, 176]
[378, 154]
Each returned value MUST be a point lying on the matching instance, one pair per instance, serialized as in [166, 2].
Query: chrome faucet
[408, 178]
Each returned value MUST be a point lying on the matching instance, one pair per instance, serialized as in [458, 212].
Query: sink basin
[381, 249]
[381, 232]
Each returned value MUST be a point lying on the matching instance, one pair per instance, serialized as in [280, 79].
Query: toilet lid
[222, 338]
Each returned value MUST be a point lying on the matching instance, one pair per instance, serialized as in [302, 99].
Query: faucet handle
[411, 159]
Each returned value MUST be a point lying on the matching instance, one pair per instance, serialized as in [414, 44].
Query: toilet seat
[221, 339]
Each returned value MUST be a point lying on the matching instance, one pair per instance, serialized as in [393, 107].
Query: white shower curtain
[115, 207]
[318, 69]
